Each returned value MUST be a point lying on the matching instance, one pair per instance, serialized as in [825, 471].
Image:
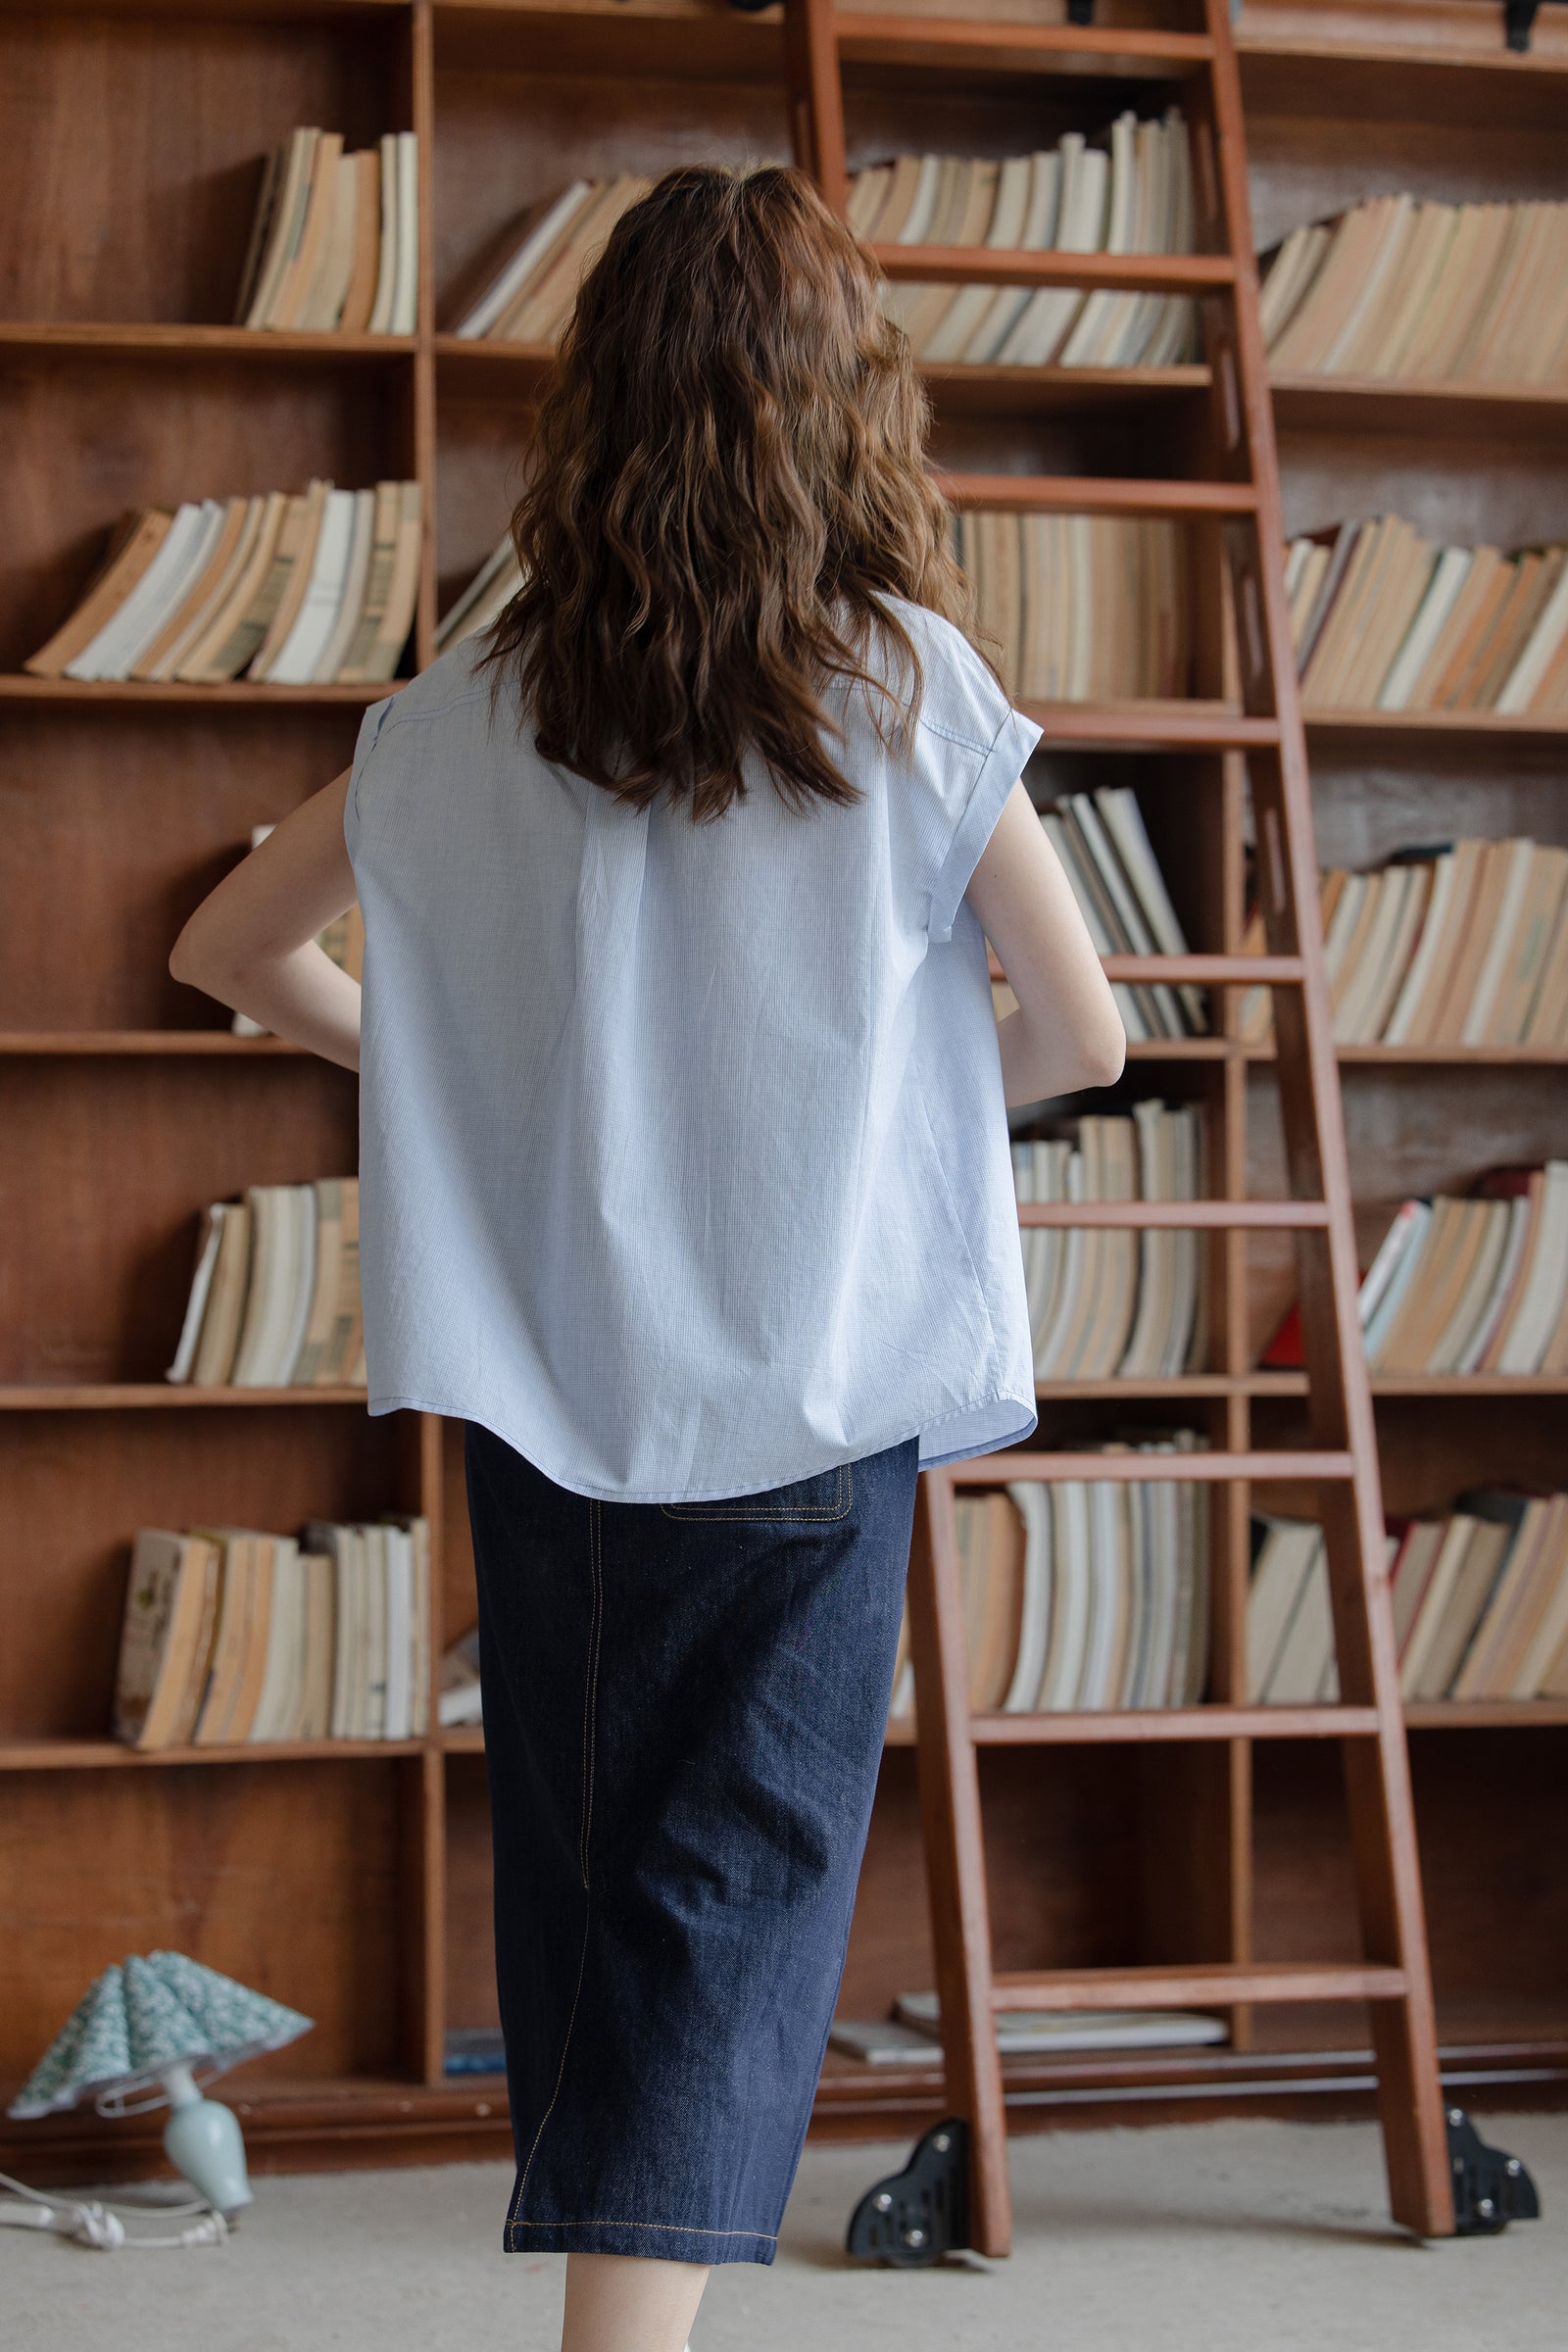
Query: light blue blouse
[683, 1153]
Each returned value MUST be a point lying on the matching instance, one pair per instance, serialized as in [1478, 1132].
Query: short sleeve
[999, 770]
[972, 747]
[370, 728]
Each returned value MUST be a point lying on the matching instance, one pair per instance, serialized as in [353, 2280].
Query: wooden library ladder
[1235, 516]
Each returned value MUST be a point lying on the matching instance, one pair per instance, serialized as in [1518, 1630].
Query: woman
[685, 1179]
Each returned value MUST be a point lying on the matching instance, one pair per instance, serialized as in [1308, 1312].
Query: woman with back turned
[685, 1179]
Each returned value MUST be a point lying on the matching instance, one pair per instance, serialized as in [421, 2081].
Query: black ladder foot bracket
[1491, 2189]
[913, 2218]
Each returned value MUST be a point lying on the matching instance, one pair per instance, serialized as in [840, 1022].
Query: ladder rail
[1236, 509]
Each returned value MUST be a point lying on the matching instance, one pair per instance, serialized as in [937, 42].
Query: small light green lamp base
[203, 2140]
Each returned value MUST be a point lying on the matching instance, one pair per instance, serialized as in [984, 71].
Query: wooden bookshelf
[352, 1878]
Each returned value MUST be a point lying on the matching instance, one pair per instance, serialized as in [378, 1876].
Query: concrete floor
[1222, 2237]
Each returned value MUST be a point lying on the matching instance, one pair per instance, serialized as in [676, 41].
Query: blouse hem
[980, 1442]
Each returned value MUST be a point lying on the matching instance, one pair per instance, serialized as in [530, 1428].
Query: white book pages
[478, 321]
[1531, 1326]
[1034, 1631]
[1036, 235]
[1449, 576]
[1422, 962]
[301, 1210]
[399, 1718]
[351, 604]
[152, 603]
[373, 1635]
[380, 319]
[1472, 1306]
[268, 1297]
[201, 1284]
[1380, 1322]
[275, 1701]
[1503, 947]
[406, 275]
[1105, 1595]
[1515, 1241]
[1069, 1600]
[1080, 224]
[950, 339]
[316, 621]
[1097, 321]
[1546, 638]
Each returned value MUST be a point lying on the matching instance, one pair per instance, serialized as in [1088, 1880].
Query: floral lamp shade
[143, 2018]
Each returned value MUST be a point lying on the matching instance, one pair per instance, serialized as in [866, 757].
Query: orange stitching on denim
[590, 1695]
[709, 1512]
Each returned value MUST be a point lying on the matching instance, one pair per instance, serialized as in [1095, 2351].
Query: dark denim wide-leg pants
[684, 1709]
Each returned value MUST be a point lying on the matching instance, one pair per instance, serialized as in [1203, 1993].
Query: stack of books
[1108, 858]
[335, 244]
[1079, 608]
[1423, 293]
[1476, 1285]
[1083, 1593]
[1104, 1304]
[485, 597]
[1463, 943]
[1289, 1627]
[1480, 1602]
[1131, 196]
[526, 295]
[232, 1637]
[1481, 1599]
[274, 1301]
[1383, 619]
[315, 589]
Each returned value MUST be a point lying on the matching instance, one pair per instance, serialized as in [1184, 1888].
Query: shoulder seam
[965, 743]
[397, 710]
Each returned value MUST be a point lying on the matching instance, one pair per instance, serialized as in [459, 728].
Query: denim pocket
[825, 1495]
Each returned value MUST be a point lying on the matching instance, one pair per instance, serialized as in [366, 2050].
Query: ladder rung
[1196, 1985]
[1178, 1216]
[889, 40]
[1092, 494]
[1153, 726]
[1190, 273]
[1212, 971]
[1118, 1726]
[1260, 1469]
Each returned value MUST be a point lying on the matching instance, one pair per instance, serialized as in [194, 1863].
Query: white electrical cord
[94, 2222]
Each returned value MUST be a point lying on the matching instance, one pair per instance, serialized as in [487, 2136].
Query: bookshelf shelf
[1155, 1726]
[154, 340]
[209, 1044]
[1194, 273]
[1420, 730]
[99, 1755]
[157, 1396]
[1155, 726]
[239, 693]
[932, 42]
[489, 370]
[1388, 405]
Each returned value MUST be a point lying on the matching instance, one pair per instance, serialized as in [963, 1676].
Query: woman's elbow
[1107, 1057]
[193, 961]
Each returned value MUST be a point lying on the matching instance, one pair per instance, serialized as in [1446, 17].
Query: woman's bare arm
[1066, 1032]
[251, 943]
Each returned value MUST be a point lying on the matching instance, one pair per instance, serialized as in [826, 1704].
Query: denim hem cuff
[663, 2241]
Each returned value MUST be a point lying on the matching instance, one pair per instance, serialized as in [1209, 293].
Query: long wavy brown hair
[727, 478]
